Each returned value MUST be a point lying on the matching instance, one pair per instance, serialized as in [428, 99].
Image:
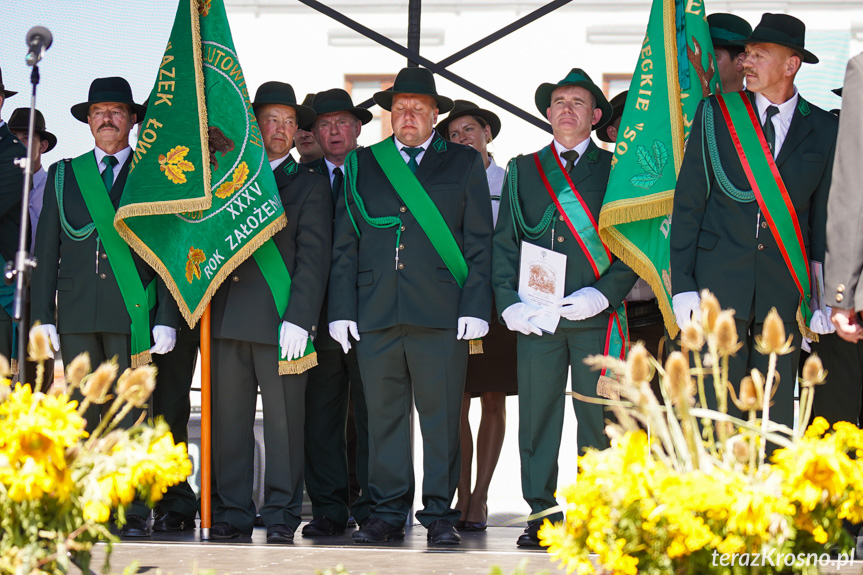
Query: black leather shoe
[136, 526]
[173, 521]
[442, 532]
[530, 537]
[376, 530]
[322, 527]
[280, 533]
[224, 530]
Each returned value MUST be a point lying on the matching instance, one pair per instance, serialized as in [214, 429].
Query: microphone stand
[24, 262]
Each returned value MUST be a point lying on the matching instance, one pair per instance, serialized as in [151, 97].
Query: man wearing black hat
[307, 146]
[545, 202]
[410, 283]
[750, 203]
[95, 276]
[728, 34]
[335, 382]
[11, 185]
[246, 351]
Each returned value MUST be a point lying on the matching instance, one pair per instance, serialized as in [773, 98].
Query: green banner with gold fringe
[200, 196]
[676, 69]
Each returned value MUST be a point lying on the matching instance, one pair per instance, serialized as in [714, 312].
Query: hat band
[771, 36]
[406, 87]
[723, 34]
[332, 107]
[119, 97]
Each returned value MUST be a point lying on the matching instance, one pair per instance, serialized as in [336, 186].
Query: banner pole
[206, 427]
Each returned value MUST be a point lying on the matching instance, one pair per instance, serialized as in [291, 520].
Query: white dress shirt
[580, 148]
[121, 156]
[781, 121]
[275, 163]
[331, 167]
[495, 175]
[425, 146]
[36, 195]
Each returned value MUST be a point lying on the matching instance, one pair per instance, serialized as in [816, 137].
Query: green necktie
[413, 153]
[570, 156]
[769, 130]
[108, 172]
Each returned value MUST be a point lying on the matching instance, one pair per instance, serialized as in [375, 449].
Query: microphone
[39, 39]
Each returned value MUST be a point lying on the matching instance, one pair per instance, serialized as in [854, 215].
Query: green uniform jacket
[590, 177]
[365, 285]
[88, 301]
[243, 308]
[720, 244]
[11, 186]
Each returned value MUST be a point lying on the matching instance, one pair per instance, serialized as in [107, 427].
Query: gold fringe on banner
[141, 359]
[475, 346]
[636, 209]
[804, 329]
[607, 387]
[14, 367]
[297, 366]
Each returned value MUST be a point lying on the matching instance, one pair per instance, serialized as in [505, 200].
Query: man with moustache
[335, 385]
[552, 198]
[728, 34]
[100, 284]
[247, 352]
[410, 283]
[11, 186]
[750, 204]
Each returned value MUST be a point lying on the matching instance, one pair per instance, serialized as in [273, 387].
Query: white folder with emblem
[541, 281]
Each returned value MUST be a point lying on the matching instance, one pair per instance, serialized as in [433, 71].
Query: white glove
[339, 332]
[582, 304]
[516, 318]
[805, 345]
[821, 323]
[50, 331]
[164, 339]
[292, 340]
[686, 304]
[471, 328]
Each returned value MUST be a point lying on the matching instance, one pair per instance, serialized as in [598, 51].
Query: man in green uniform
[256, 343]
[729, 33]
[746, 225]
[336, 379]
[103, 288]
[11, 185]
[410, 274]
[552, 199]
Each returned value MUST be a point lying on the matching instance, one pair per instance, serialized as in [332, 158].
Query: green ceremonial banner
[200, 197]
[675, 71]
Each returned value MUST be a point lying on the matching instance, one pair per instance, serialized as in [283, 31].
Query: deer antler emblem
[703, 75]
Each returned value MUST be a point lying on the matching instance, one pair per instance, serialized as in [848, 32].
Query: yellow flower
[819, 535]
[96, 511]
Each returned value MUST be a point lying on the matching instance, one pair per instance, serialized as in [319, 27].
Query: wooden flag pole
[206, 427]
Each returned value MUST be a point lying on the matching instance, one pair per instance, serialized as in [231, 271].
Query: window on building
[362, 87]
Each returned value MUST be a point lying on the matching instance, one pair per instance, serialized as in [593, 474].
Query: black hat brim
[616, 112]
[487, 115]
[8, 93]
[82, 110]
[48, 137]
[305, 114]
[542, 99]
[384, 99]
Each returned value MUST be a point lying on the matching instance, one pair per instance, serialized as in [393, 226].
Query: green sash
[771, 194]
[583, 227]
[102, 211]
[276, 274]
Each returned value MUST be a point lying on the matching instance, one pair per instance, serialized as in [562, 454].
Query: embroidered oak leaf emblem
[652, 161]
[239, 177]
[174, 164]
[193, 264]
[204, 7]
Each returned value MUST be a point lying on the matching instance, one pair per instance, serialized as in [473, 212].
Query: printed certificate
[541, 279]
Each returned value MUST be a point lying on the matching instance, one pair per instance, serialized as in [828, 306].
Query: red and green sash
[417, 200]
[583, 227]
[135, 297]
[771, 194]
[276, 274]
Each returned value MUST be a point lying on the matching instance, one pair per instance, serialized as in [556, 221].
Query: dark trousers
[171, 401]
[841, 396]
[102, 347]
[543, 365]
[241, 368]
[401, 365]
[332, 384]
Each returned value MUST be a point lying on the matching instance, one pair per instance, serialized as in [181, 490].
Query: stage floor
[181, 554]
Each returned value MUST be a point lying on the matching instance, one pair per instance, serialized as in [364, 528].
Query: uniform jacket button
[841, 288]
[103, 276]
[764, 225]
[760, 246]
[104, 256]
[560, 238]
[401, 246]
[401, 266]
[236, 278]
[403, 209]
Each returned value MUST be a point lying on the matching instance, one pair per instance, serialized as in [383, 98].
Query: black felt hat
[113, 89]
[6, 93]
[338, 100]
[282, 94]
[785, 30]
[413, 81]
[728, 29]
[617, 105]
[576, 77]
[20, 120]
[463, 108]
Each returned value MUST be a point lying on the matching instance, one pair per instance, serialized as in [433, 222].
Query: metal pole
[206, 427]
